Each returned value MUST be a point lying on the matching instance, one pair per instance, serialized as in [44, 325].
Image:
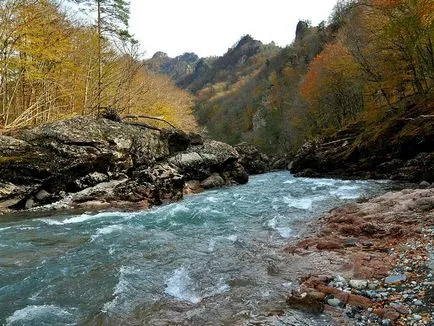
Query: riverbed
[214, 258]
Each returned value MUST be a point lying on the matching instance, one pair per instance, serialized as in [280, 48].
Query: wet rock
[192, 186]
[213, 181]
[424, 185]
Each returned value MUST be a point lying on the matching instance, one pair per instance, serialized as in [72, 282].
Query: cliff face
[108, 163]
[400, 148]
[176, 68]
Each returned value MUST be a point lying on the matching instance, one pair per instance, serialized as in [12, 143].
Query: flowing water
[212, 259]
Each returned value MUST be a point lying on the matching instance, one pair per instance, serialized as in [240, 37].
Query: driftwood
[136, 117]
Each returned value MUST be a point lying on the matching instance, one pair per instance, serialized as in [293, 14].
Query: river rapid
[214, 258]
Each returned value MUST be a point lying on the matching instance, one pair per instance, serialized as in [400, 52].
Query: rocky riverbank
[377, 262]
[399, 148]
[99, 164]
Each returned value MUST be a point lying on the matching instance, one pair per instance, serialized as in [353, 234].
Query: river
[214, 258]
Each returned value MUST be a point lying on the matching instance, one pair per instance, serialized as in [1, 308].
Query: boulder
[213, 181]
[252, 159]
[101, 161]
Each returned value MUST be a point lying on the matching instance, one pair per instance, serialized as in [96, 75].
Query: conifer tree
[112, 18]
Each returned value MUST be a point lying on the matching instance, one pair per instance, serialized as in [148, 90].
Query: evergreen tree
[111, 22]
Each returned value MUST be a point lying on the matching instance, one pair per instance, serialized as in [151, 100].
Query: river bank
[377, 261]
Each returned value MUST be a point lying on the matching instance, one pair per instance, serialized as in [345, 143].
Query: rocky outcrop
[253, 160]
[401, 149]
[83, 160]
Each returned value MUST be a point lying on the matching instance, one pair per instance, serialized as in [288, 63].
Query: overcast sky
[211, 27]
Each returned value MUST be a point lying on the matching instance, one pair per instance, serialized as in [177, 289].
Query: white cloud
[211, 27]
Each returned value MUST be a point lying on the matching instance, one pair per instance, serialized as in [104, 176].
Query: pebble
[335, 302]
[417, 317]
[418, 303]
[385, 322]
[395, 279]
[358, 284]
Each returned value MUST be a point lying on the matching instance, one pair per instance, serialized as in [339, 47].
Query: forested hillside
[371, 62]
[54, 66]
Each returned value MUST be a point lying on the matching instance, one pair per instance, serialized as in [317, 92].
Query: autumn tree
[393, 43]
[333, 88]
[112, 18]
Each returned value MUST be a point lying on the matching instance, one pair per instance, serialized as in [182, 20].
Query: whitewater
[214, 258]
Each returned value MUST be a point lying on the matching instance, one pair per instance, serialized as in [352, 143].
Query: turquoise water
[213, 258]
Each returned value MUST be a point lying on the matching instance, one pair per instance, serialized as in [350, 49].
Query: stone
[400, 308]
[305, 303]
[318, 295]
[42, 194]
[192, 187]
[417, 317]
[386, 322]
[395, 279]
[359, 301]
[252, 159]
[335, 302]
[44, 164]
[391, 314]
[358, 284]
[29, 203]
[213, 181]
[424, 185]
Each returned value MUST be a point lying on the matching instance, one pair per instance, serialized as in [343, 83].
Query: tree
[112, 21]
[333, 88]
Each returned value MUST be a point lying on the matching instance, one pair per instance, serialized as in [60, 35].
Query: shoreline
[379, 260]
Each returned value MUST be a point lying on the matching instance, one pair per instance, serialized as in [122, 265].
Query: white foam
[80, 218]
[284, 232]
[232, 238]
[178, 208]
[212, 199]
[27, 228]
[346, 192]
[179, 286]
[272, 223]
[29, 313]
[299, 203]
[289, 182]
[6, 228]
[121, 287]
[211, 245]
[106, 230]
[50, 221]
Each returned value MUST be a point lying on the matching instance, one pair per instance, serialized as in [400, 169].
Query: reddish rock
[387, 313]
[328, 245]
[343, 296]
[359, 301]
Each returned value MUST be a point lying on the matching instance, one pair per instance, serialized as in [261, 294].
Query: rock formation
[100, 163]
